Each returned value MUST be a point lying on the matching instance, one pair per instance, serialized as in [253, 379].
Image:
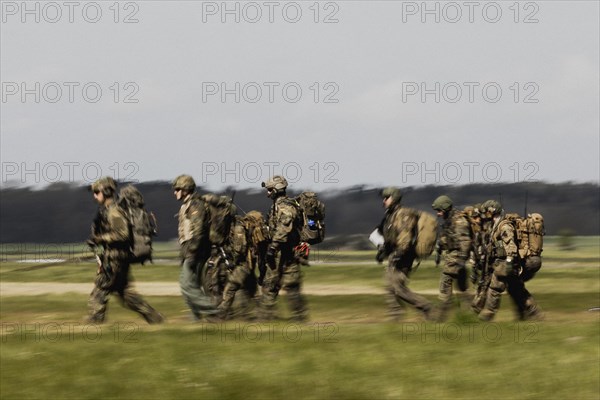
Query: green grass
[320, 359]
[346, 349]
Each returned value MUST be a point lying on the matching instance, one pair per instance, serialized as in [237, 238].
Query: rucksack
[529, 233]
[142, 225]
[221, 212]
[255, 226]
[312, 230]
[427, 232]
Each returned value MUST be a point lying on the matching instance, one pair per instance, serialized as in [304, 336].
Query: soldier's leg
[292, 284]
[396, 307]
[479, 300]
[234, 283]
[492, 301]
[445, 296]
[524, 301]
[133, 300]
[270, 291]
[97, 303]
[192, 290]
[401, 290]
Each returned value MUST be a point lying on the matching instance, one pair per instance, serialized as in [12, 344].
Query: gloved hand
[271, 254]
[380, 256]
[438, 258]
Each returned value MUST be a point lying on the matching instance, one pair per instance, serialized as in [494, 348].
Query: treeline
[62, 213]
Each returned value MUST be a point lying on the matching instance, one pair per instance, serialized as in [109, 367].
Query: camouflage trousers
[236, 289]
[449, 276]
[289, 278]
[398, 294]
[192, 289]
[118, 282]
[480, 295]
[215, 278]
[525, 304]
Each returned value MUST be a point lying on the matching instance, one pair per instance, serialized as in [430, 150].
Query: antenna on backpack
[234, 203]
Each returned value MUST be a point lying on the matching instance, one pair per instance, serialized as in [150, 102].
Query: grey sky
[370, 60]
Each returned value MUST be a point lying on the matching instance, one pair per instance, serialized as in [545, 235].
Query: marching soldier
[504, 260]
[283, 264]
[111, 235]
[398, 229]
[455, 242]
[248, 240]
[195, 248]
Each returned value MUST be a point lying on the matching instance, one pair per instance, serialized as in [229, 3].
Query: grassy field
[346, 350]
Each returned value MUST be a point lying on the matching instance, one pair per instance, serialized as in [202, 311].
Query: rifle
[225, 259]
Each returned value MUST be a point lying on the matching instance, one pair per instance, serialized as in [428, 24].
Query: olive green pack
[142, 224]
[221, 211]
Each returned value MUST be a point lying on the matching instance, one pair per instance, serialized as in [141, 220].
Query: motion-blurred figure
[398, 228]
[455, 243]
[195, 247]
[283, 264]
[111, 238]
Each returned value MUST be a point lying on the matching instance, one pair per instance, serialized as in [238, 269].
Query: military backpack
[221, 211]
[529, 233]
[312, 230]
[142, 224]
[427, 232]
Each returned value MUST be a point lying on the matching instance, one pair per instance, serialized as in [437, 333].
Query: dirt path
[168, 289]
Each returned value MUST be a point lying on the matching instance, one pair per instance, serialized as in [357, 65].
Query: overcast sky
[332, 94]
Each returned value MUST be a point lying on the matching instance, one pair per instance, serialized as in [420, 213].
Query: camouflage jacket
[456, 237]
[399, 229]
[284, 221]
[111, 229]
[193, 223]
[502, 242]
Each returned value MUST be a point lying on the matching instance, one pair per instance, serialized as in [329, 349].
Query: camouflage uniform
[483, 276]
[398, 229]
[283, 270]
[246, 252]
[110, 231]
[195, 250]
[455, 242]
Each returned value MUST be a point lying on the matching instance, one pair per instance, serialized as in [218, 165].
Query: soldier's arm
[507, 234]
[284, 223]
[198, 216]
[406, 223]
[119, 229]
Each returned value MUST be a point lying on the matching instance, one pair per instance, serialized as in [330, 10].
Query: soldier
[195, 248]
[283, 264]
[455, 242]
[111, 236]
[503, 257]
[398, 229]
[481, 276]
[247, 245]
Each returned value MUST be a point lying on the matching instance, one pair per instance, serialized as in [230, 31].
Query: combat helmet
[442, 203]
[106, 185]
[184, 182]
[392, 192]
[277, 183]
[492, 207]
